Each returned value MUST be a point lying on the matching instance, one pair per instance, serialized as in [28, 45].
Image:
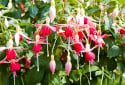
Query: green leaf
[97, 73]
[93, 68]
[1, 6]
[33, 10]
[75, 75]
[93, 10]
[107, 24]
[121, 1]
[113, 51]
[32, 77]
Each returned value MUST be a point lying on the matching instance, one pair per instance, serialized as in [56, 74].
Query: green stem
[98, 53]
[68, 45]
[47, 47]
[77, 62]
[90, 71]
[54, 44]
[37, 62]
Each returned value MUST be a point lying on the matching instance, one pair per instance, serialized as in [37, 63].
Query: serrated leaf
[113, 51]
[33, 10]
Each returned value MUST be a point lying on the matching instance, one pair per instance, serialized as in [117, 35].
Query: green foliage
[24, 13]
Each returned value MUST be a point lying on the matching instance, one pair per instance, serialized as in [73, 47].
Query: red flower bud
[90, 56]
[68, 67]
[37, 48]
[122, 31]
[68, 31]
[10, 54]
[45, 31]
[78, 47]
[14, 66]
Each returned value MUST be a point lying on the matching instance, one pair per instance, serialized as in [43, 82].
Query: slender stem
[54, 44]
[37, 62]
[98, 53]
[102, 75]
[22, 80]
[68, 45]
[88, 80]
[90, 71]
[80, 79]
[47, 47]
[14, 74]
[81, 54]
[77, 62]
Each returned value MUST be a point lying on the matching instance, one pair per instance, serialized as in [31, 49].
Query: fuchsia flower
[90, 56]
[52, 11]
[37, 48]
[81, 35]
[86, 20]
[68, 66]
[122, 31]
[19, 35]
[92, 30]
[45, 31]
[98, 39]
[10, 54]
[68, 32]
[14, 66]
[78, 47]
[52, 64]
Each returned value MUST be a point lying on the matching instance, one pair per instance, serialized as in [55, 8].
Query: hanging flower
[52, 11]
[78, 47]
[52, 64]
[10, 5]
[90, 56]
[45, 31]
[14, 66]
[122, 31]
[19, 35]
[68, 32]
[81, 35]
[68, 66]
[37, 48]
[10, 54]
[86, 20]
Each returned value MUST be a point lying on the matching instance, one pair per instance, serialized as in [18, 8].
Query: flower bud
[52, 64]
[68, 67]
[10, 5]
[6, 23]
[52, 11]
